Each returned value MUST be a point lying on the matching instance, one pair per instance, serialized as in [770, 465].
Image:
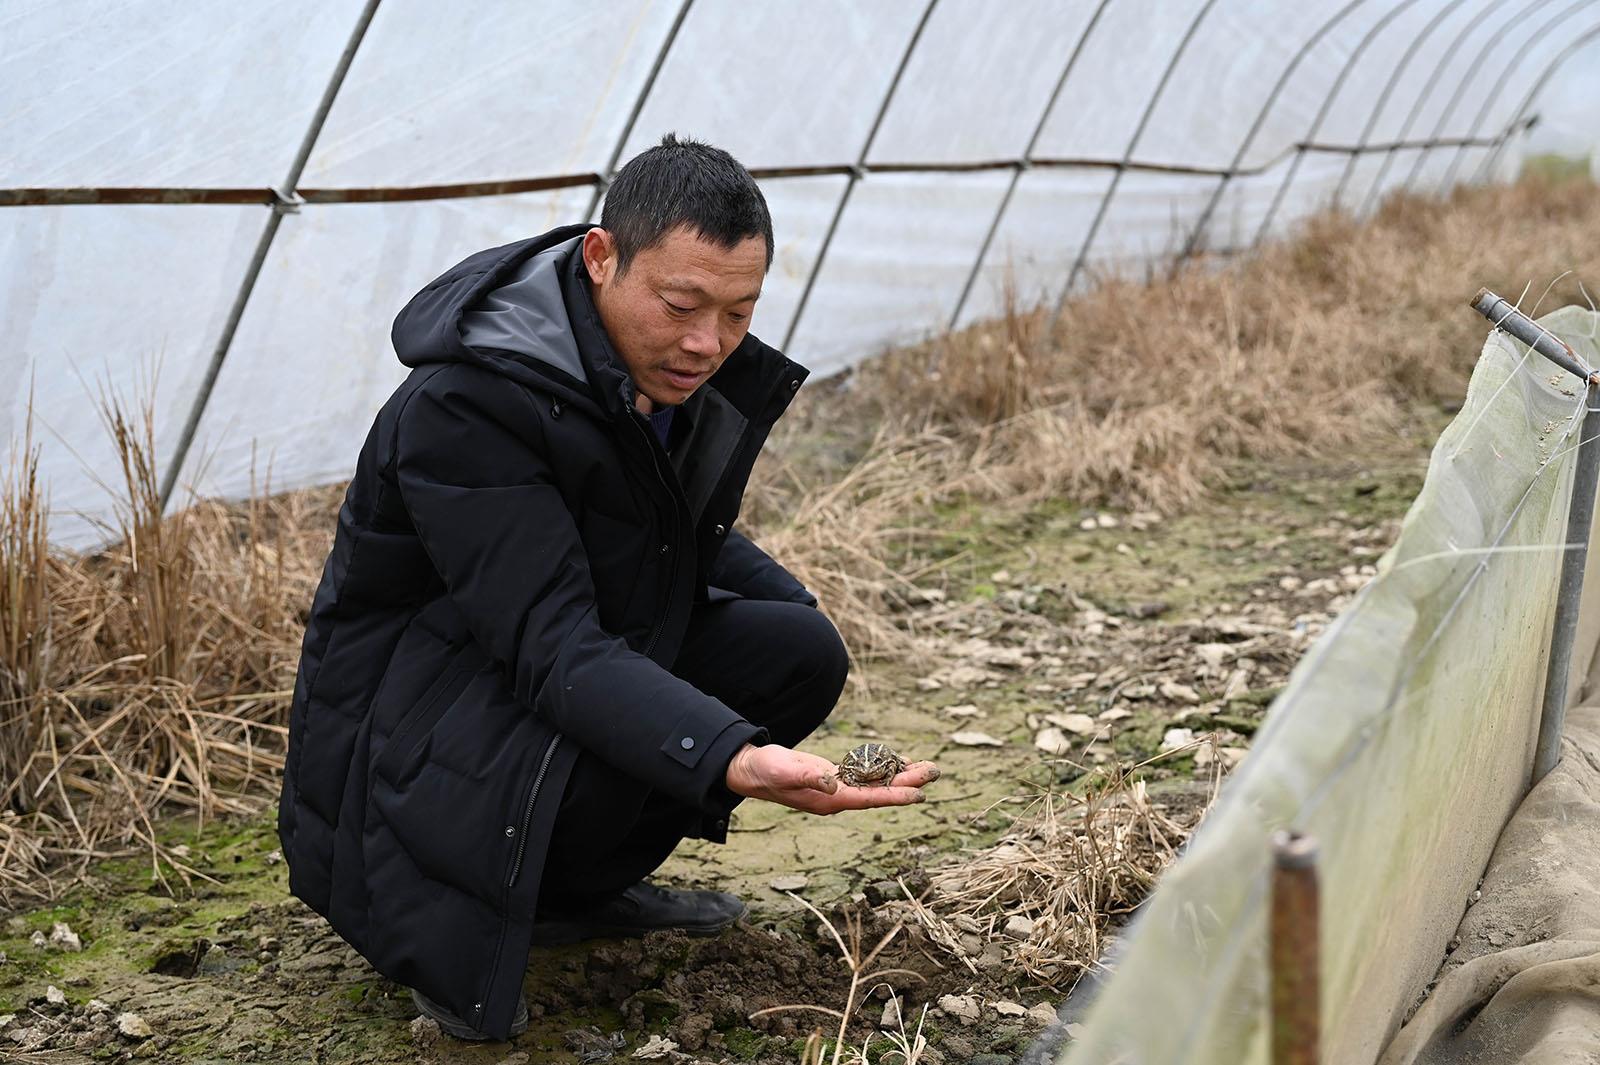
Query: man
[540, 655]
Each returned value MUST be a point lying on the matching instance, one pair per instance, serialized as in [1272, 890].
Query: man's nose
[702, 340]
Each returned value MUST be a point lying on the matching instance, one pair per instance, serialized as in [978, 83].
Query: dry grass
[1143, 391]
[155, 675]
[1072, 864]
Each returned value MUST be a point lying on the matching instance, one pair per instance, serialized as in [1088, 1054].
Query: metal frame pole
[1322, 114]
[1527, 101]
[1255, 127]
[1448, 53]
[1580, 518]
[1383, 97]
[1026, 161]
[1127, 157]
[1500, 84]
[1294, 951]
[284, 202]
[1466, 79]
[856, 174]
[610, 171]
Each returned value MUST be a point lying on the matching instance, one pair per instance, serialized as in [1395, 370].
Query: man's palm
[806, 782]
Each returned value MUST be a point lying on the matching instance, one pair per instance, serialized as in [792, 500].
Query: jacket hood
[524, 311]
[503, 310]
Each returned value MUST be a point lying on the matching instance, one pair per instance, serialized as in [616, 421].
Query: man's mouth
[680, 379]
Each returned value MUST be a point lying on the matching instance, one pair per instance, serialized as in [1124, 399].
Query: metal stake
[1294, 951]
[1580, 516]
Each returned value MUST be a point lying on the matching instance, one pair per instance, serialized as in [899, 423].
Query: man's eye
[738, 317]
[675, 309]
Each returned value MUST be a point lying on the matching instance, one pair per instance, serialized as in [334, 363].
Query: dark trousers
[780, 665]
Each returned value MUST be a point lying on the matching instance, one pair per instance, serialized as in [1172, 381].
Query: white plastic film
[776, 92]
[1238, 65]
[201, 93]
[438, 96]
[1402, 743]
[1037, 239]
[312, 362]
[126, 302]
[905, 247]
[978, 83]
[1114, 79]
[801, 210]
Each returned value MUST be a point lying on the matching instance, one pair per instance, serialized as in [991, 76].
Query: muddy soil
[1066, 638]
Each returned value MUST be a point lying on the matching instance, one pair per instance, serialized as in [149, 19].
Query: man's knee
[821, 662]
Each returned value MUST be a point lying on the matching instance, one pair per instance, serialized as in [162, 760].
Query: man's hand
[806, 782]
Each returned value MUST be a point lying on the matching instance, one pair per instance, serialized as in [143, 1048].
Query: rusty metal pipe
[1294, 951]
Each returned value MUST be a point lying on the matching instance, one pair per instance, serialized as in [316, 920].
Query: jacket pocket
[413, 729]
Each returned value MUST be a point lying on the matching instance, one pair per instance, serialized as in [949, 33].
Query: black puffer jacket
[512, 575]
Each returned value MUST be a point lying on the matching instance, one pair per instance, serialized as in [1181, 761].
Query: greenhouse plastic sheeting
[906, 245]
[490, 106]
[146, 94]
[296, 396]
[917, 155]
[1402, 742]
[131, 307]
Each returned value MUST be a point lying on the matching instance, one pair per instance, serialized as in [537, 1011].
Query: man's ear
[600, 255]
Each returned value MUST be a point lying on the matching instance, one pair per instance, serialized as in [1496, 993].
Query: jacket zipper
[672, 574]
[527, 812]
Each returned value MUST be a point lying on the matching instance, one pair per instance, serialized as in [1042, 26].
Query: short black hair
[683, 182]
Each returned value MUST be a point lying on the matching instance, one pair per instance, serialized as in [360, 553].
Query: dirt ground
[1036, 621]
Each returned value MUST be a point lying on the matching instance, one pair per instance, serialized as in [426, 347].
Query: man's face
[679, 311]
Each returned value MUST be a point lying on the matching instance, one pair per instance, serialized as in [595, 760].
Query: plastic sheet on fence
[1403, 741]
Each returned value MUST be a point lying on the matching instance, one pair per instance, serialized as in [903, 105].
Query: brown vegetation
[156, 674]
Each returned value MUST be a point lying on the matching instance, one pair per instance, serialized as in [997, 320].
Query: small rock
[892, 1020]
[1019, 927]
[1116, 713]
[1077, 724]
[96, 1005]
[1106, 521]
[425, 1033]
[1052, 741]
[963, 710]
[971, 944]
[1010, 1009]
[1180, 692]
[1042, 1014]
[1174, 738]
[3, 958]
[963, 1008]
[881, 891]
[6, 1020]
[793, 882]
[992, 956]
[134, 1026]
[54, 995]
[518, 1058]
[37, 941]
[273, 857]
[656, 1048]
[974, 739]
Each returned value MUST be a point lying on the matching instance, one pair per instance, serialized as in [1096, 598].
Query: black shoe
[450, 1024]
[635, 910]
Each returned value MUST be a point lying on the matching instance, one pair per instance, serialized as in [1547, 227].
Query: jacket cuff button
[794, 385]
[687, 743]
[662, 549]
[720, 530]
[722, 826]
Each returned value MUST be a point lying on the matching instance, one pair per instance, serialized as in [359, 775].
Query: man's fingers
[867, 798]
[916, 775]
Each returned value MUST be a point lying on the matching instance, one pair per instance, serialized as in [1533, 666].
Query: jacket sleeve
[744, 568]
[470, 460]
